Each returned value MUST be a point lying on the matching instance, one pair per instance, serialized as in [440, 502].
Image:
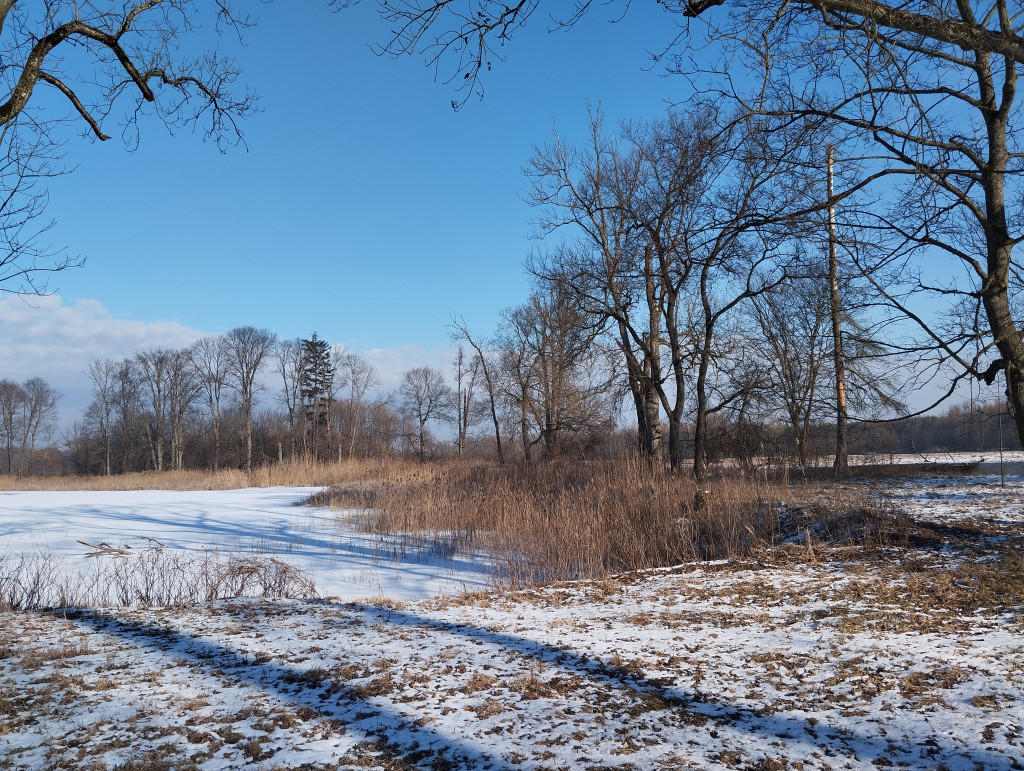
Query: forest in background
[197, 425]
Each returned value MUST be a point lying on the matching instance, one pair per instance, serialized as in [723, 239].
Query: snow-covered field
[258, 521]
[409, 659]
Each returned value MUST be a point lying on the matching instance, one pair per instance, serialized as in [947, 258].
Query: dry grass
[292, 474]
[549, 522]
[568, 520]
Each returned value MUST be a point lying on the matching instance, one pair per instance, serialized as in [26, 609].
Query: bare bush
[151, 577]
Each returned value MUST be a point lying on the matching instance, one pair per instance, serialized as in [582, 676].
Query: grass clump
[147, 578]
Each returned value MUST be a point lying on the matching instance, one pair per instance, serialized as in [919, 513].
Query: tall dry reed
[567, 520]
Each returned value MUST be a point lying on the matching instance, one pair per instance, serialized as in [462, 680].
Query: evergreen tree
[317, 389]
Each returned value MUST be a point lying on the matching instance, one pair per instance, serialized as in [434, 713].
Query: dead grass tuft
[479, 682]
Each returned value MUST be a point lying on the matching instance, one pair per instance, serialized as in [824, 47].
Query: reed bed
[568, 520]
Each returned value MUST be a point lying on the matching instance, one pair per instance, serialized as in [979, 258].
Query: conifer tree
[317, 389]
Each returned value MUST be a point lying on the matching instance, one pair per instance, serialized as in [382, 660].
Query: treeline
[968, 427]
[205, 406]
[516, 400]
[246, 399]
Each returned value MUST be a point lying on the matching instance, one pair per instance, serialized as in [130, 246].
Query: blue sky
[364, 209]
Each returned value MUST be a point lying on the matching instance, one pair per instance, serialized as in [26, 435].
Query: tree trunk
[248, 439]
[638, 381]
[675, 443]
[352, 433]
[652, 420]
[216, 444]
[835, 307]
[524, 427]
[700, 427]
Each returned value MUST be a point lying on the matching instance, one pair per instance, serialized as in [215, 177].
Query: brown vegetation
[566, 520]
[290, 474]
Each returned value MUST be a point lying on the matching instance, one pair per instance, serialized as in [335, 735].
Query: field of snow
[409, 659]
[258, 521]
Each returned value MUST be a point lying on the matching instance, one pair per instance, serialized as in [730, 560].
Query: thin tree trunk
[838, 357]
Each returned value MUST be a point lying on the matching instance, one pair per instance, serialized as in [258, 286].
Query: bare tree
[129, 410]
[39, 418]
[288, 357]
[466, 373]
[183, 388]
[12, 397]
[110, 63]
[103, 375]
[683, 221]
[793, 324]
[555, 374]
[248, 349]
[637, 199]
[26, 261]
[462, 42]
[356, 377]
[609, 267]
[210, 361]
[172, 386]
[517, 378]
[425, 397]
[154, 369]
[133, 53]
[461, 332]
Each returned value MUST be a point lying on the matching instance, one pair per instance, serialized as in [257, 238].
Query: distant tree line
[201, 406]
[542, 387]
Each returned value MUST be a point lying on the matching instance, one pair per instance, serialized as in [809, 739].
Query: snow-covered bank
[706, 669]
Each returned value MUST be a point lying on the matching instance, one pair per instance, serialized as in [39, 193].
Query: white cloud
[392, 363]
[46, 338]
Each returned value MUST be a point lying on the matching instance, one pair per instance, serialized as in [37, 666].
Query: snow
[410, 658]
[257, 521]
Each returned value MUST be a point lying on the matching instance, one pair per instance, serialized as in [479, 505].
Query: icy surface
[259, 521]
